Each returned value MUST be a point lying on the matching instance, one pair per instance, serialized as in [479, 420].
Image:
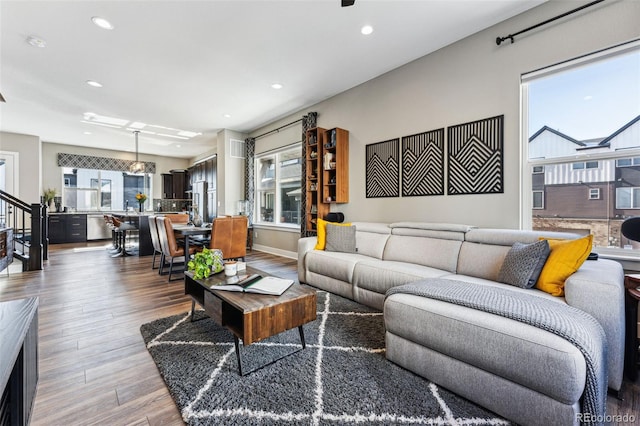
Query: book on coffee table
[255, 284]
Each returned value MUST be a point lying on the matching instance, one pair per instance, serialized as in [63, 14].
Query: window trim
[591, 193]
[525, 179]
[533, 192]
[633, 189]
[275, 153]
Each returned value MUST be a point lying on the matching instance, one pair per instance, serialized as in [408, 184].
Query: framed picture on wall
[383, 169]
[423, 164]
[475, 158]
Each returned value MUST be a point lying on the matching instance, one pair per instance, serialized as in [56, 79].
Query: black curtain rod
[278, 129]
[499, 40]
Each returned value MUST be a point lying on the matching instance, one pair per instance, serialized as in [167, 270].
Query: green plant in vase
[205, 263]
[48, 195]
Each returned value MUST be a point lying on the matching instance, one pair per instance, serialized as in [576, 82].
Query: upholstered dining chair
[229, 234]
[177, 217]
[155, 241]
[169, 245]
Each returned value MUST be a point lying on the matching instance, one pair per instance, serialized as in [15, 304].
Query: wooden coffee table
[249, 316]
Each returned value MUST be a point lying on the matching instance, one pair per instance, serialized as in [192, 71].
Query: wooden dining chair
[229, 234]
[169, 245]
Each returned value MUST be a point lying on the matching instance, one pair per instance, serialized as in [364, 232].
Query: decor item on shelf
[205, 263]
[141, 198]
[328, 159]
[48, 195]
[137, 166]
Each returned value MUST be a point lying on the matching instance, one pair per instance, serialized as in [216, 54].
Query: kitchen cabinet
[67, 228]
[175, 185]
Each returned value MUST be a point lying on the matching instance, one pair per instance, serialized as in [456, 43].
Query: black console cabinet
[18, 360]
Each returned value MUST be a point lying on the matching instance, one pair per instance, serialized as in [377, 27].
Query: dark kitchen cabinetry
[175, 185]
[67, 228]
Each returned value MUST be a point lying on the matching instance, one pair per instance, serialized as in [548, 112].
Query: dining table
[188, 231]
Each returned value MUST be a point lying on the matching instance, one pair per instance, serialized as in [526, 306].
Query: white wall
[30, 171]
[230, 174]
[466, 81]
[469, 80]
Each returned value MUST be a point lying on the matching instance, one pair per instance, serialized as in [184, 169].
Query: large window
[581, 121]
[104, 190]
[278, 187]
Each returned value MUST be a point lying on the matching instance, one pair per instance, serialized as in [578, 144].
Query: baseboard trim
[276, 251]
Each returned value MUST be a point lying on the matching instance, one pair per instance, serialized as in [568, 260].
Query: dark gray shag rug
[342, 377]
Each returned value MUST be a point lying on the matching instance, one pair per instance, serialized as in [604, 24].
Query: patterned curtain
[249, 175]
[309, 121]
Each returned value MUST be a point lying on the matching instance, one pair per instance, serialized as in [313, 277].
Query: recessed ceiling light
[276, 86]
[93, 83]
[178, 146]
[87, 133]
[366, 30]
[227, 116]
[102, 23]
[36, 41]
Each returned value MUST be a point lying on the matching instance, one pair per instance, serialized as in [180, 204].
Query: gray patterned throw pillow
[523, 264]
[341, 238]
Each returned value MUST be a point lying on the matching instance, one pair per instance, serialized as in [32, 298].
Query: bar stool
[121, 229]
[115, 248]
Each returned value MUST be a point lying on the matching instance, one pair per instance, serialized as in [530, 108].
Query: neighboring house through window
[581, 122]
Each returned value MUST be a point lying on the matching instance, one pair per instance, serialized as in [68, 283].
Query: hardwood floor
[94, 367]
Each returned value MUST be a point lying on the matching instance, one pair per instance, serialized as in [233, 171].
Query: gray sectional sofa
[519, 371]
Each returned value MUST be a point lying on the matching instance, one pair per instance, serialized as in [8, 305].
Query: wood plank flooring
[94, 367]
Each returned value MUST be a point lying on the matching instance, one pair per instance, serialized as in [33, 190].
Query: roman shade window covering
[100, 163]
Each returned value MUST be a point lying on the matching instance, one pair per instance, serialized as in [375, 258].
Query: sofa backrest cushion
[483, 251]
[445, 231]
[433, 252]
[371, 238]
[506, 237]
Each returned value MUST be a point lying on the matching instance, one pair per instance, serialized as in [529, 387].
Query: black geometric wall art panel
[423, 164]
[475, 157]
[383, 169]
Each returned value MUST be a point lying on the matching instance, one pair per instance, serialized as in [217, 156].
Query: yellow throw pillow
[565, 258]
[321, 229]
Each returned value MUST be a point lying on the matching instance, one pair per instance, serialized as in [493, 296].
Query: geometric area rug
[342, 377]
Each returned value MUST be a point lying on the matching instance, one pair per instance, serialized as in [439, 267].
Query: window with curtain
[581, 145]
[278, 186]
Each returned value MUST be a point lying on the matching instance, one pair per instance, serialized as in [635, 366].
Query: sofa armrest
[305, 245]
[598, 289]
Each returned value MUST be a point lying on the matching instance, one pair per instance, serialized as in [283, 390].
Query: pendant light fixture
[137, 166]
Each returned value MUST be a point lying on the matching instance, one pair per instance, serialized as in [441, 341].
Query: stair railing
[30, 233]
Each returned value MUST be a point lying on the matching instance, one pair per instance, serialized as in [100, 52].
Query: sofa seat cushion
[380, 276]
[517, 352]
[333, 264]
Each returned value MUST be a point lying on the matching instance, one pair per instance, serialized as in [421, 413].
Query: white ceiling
[186, 64]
